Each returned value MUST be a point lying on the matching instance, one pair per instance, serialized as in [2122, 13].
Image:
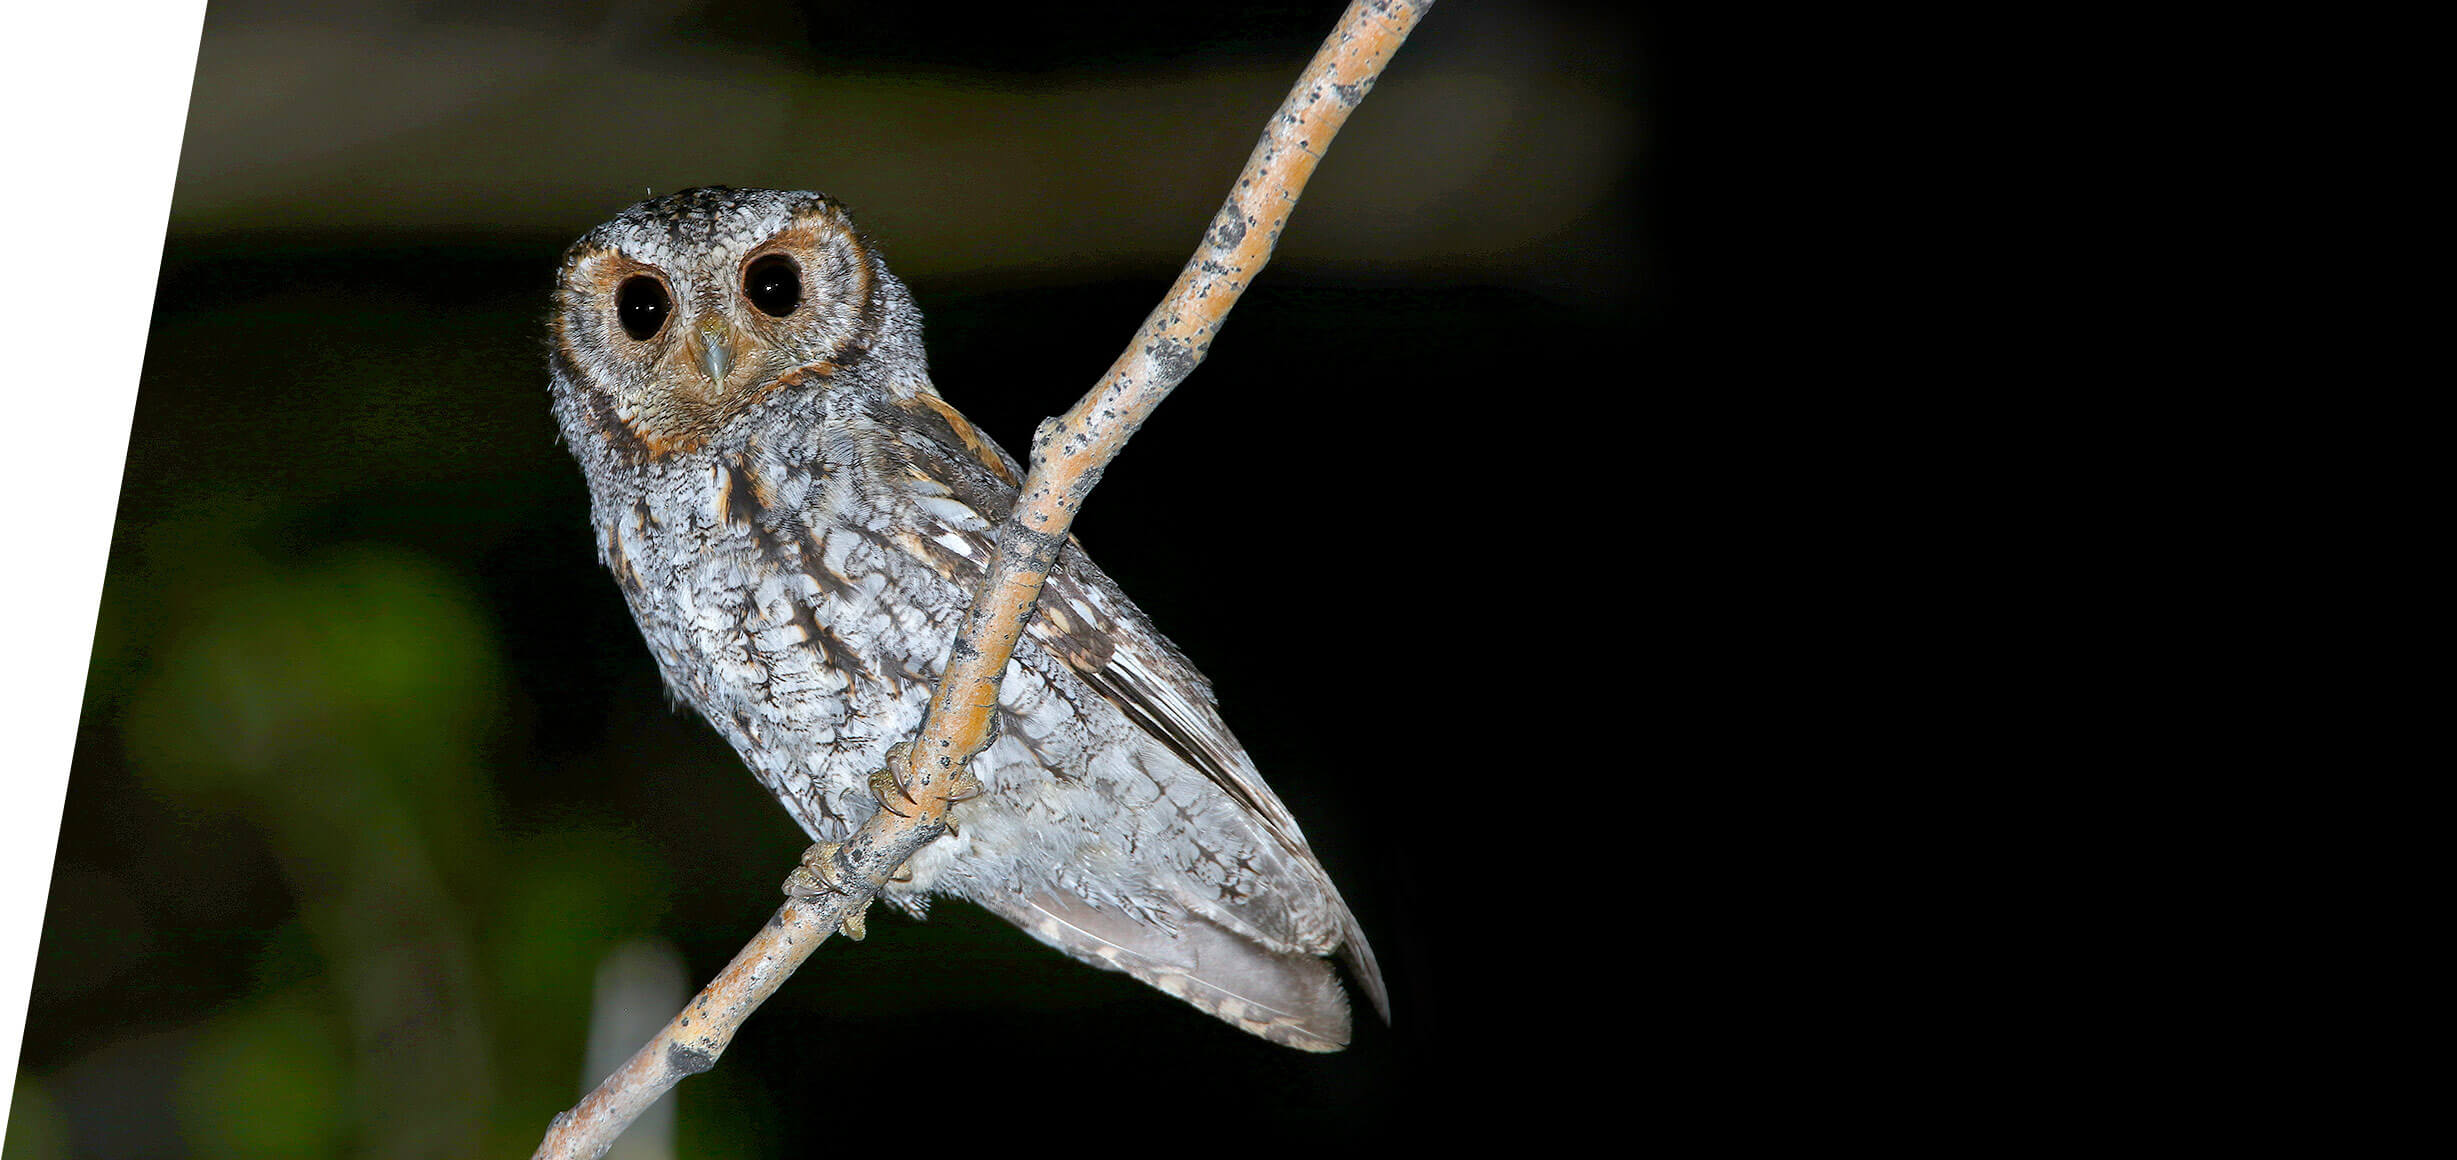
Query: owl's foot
[884, 783]
[816, 876]
[817, 873]
[965, 788]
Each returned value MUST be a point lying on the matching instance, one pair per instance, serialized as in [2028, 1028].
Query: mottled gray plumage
[798, 521]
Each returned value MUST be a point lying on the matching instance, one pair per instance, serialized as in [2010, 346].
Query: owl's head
[686, 312]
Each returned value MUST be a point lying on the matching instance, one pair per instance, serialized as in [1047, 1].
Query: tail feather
[1359, 955]
[1290, 999]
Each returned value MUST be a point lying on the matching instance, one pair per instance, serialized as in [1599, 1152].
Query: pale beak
[711, 347]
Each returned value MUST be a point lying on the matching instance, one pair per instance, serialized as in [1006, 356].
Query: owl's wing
[1084, 620]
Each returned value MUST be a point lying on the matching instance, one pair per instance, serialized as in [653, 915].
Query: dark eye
[641, 304]
[774, 285]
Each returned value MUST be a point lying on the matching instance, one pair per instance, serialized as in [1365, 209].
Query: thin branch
[1068, 455]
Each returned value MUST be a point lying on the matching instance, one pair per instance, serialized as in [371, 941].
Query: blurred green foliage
[36, 1130]
[281, 1050]
[286, 861]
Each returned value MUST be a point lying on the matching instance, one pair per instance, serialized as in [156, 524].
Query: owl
[798, 521]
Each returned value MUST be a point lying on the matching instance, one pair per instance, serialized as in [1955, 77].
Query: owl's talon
[883, 781]
[899, 756]
[817, 873]
[965, 788]
[852, 923]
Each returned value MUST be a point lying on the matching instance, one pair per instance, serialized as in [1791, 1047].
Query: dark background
[374, 774]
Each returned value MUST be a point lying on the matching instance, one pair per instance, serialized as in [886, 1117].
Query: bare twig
[1068, 455]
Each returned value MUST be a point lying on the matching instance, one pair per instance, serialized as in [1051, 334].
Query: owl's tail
[1359, 955]
[1290, 999]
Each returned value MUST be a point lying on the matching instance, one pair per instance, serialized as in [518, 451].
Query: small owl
[798, 521]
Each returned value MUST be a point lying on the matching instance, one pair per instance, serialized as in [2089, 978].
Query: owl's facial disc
[681, 314]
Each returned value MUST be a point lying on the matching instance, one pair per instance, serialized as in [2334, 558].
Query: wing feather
[1107, 642]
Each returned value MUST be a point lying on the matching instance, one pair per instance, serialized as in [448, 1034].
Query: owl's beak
[711, 347]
